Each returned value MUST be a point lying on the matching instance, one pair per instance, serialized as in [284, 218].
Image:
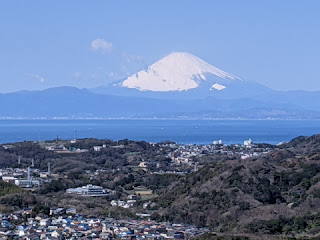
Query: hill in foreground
[278, 194]
[268, 197]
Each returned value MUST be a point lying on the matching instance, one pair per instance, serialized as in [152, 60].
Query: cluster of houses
[71, 226]
[185, 154]
[131, 202]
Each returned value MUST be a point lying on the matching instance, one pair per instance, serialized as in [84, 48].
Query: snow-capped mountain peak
[179, 71]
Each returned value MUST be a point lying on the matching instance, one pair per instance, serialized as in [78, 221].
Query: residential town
[180, 154]
[65, 224]
[115, 186]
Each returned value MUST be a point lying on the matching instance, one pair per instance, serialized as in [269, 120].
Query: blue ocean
[181, 131]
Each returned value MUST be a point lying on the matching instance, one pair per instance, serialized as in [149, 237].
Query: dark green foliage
[211, 236]
[75, 175]
[234, 180]
[244, 206]
[156, 182]
[267, 193]
[7, 188]
[21, 199]
[274, 226]
[56, 186]
[316, 194]
[286, 225]
[119, 213]
[27, 150]
[40, 208]
[126, 180]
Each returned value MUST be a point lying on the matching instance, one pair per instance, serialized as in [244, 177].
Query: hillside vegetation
[276, 194]
[8, 188]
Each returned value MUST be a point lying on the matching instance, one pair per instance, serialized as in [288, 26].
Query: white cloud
[101, 45]
[37, 77]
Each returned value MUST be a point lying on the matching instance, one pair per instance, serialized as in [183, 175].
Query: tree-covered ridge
[271, 194]
[265, 195]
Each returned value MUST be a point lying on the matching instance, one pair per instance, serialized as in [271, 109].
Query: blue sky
[91, 43]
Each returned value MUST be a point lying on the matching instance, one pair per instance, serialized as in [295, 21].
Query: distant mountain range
[180, 85]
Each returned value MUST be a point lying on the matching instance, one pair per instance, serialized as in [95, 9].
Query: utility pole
[75, 134]
[28, 178]
[49, 169]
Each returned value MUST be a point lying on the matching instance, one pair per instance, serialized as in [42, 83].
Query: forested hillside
[276, 194]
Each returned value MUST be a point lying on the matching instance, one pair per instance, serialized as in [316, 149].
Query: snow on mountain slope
[217, 86]
[179, 71]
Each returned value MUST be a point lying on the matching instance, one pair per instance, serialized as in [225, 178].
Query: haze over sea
[181, 131]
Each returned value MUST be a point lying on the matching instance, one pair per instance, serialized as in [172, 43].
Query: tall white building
[248, 142]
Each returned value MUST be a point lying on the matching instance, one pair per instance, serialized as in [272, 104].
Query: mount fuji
[179, 85]
[179, 71]
[183, 75]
